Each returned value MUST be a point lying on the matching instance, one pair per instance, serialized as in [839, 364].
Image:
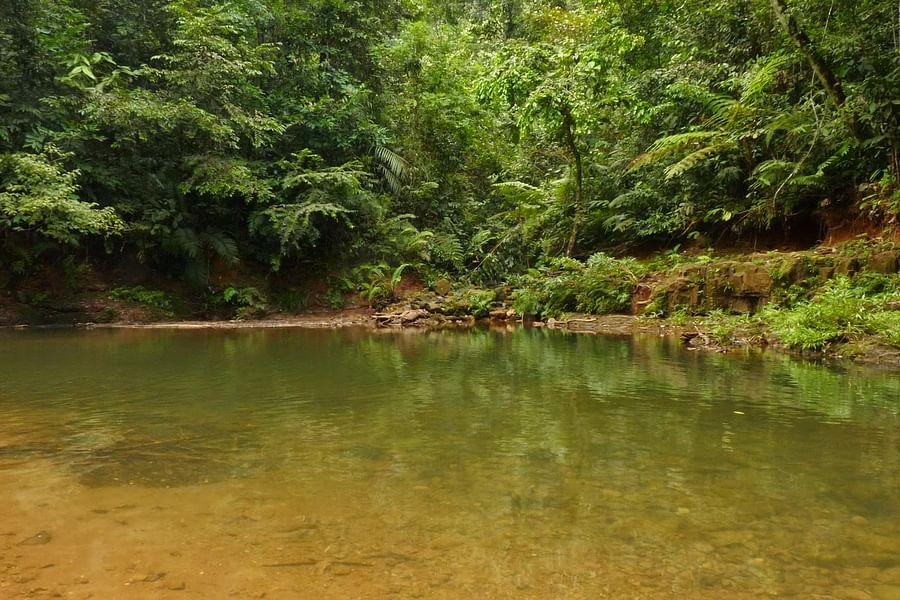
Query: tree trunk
[823, 72]
[569, 132]
[509, 19]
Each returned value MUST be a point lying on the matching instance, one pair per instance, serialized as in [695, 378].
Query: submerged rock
[38, 539]
[891, 576]
[852, 594]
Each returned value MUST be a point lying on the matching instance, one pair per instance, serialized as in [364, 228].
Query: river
[460, 464]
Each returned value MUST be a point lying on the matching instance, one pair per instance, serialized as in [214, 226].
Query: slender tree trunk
[895, 164]
[569, 132]
[823, 72]
[509, 19]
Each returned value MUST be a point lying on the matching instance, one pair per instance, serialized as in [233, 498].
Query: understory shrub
[600, 285]
[156, 299]
[247, 302]
[841, 310]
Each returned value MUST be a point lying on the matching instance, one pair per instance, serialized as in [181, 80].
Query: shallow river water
[470, 464]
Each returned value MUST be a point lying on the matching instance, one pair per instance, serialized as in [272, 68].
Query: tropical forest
[450, 299]
[222, 159]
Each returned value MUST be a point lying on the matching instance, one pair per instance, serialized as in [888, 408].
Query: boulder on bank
[442, 287]
[885, 263]
[728, 285]
[746, 285]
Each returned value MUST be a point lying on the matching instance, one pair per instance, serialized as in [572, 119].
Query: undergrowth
[600, 285]
[157, 300]
[841, 310]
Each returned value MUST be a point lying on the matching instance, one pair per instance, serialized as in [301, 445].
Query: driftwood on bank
[406, 317]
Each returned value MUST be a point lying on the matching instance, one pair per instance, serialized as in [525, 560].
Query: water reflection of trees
[536, 416]
[517, 422]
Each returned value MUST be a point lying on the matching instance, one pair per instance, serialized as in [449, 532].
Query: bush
[526, 302]
[601, 285]
[886, 325]
[608, 284]
[479, 302]
[248, 302]
[840, 311]
[292, 300]
[156, 299]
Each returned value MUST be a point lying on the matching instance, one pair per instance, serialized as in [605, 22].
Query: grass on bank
[814, 316]
[842, 310]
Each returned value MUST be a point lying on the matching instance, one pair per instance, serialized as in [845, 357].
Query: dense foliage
[470, 138]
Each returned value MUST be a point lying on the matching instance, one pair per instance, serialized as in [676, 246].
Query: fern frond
[793, 123]
[292, 222]
[186, 242]
[447, 248]
[482, 237]
[671, 144]
[764, 77]
[770, 172]
[680, 140]
[695, 158]
[349, 175]
[397, 275]
[834, 158]
[519, 192]
[816, 180]
[222, 245]
[724, 110]
[729, 174]
[619, 223]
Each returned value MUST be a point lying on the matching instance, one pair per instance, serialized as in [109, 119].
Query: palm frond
[395, 169]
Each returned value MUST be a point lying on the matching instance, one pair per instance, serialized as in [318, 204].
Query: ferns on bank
[780, 155]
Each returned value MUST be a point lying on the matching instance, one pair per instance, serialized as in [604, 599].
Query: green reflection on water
[250, 399]
[558, 440]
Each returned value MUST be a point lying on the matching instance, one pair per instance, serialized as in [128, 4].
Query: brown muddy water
[467, 464]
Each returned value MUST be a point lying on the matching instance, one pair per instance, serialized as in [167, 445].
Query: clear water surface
[469, 464]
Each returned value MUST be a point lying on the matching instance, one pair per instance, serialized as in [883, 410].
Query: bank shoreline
[828, 302]
[693, 336]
